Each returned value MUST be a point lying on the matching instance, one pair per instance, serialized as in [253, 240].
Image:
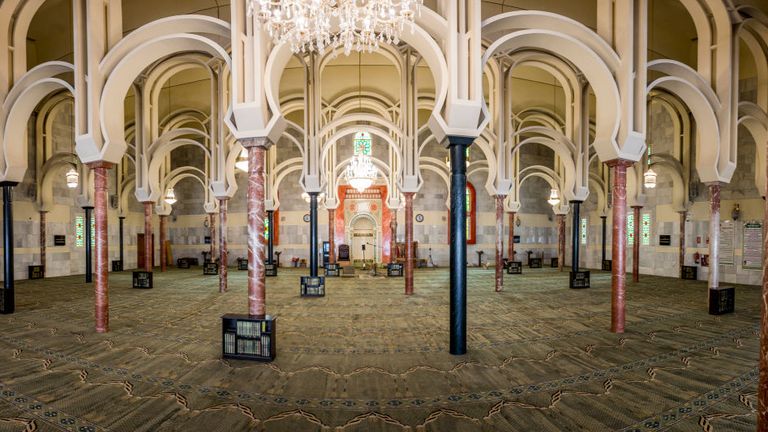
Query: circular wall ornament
[306, 217]
[419, 217]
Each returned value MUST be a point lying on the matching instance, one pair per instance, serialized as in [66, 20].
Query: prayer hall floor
[368, 358]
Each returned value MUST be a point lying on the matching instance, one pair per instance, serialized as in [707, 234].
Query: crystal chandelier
[361, 173]
[554, 198]
[170, 196]
[649, 179]
[73, 178]
[241, 162]
[314, 25]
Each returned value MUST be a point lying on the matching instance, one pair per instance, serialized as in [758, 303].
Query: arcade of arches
[520, 215]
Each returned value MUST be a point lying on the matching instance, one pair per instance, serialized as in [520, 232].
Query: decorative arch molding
[755, 121]
[598, 72]
[135, 54]
[712, 156]
[351, 130]
[21, 101]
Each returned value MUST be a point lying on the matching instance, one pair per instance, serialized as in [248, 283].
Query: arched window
[471, 214]
[362, 144]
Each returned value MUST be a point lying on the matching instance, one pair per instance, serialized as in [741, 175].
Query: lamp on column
[554, 197]
[649, 179]
[241, 162]
[170, 196]
[73, 178]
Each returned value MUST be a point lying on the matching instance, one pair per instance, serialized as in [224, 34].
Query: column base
[722, 300]
[395, 270]
[579, 279]
[312, 286]
[270, 270]
[142, 279]
[35, 272]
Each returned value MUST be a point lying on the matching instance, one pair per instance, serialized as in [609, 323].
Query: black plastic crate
[142, 279]
[247, 337]
[579, 279]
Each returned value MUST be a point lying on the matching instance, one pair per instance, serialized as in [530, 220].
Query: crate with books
[248, 337]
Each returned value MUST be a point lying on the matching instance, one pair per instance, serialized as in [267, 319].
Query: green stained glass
[79, 231]
[362, 144]
[93, 232]
[630, 229]
[266, 229]
[583, 231]
[645, 230]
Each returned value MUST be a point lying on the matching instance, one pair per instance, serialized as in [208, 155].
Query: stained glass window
[645, 230]
[79, 231]
[362, 144]
[630, 229]
[266, 229]
[93, 231]
[583, 231]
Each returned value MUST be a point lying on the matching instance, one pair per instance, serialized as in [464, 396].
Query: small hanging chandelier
[241, 162]
[361, 173]
[314, 25]
[554, 197]
[649, 179]
[170, 196]
[73, 178]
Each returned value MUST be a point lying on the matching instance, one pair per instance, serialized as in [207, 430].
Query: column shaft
[256, 243]
[576, 236]
[121, 220]
[223, 252]
[88, 249]
[163, 229]
[511, 239]
[101, 287]
[148, 247]
[42, 241]
[619, 244]
[560, 241]
[408, 242]
[393, 236]
[714, 236]
[636, 245]
[331, 235]
[212, 234]
[762, 386]
[313, 234]
[604, 238]
[8, 298]
[681, 251]
[271, 239]
[457, 147]
[499, 243]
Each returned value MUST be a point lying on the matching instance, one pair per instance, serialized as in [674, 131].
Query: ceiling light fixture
[170, 196]
[554, 197]
[73, 178]
[314, 25]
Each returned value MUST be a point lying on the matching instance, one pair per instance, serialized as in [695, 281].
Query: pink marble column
[511, 239]
[636, 245]
[409, 242]
[393, 236]
[619, 243]
[681, 251]
[163, 252]
[223, 252]
[331, 235]
[257, 151]
[212, 234]
[42, 241]
[499, 243]
[714, 236]
[560, 241]
[101, 285]
[148, 249]
[762, 386]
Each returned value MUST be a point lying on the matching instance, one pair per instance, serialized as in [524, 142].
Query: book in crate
[248, 337]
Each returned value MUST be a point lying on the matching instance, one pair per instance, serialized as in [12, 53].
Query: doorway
[364, 235]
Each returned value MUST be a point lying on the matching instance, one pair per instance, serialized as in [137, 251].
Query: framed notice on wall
[726, 242]
[752, 255]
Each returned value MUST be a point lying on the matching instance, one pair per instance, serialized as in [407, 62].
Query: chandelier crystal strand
[361, 173]
[314, 25]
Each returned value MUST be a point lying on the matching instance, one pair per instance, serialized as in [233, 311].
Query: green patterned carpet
[367, 358]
